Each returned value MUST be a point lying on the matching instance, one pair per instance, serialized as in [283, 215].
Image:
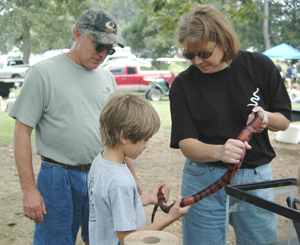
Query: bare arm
[175, 213]
[131, 168]
[273, 121]
[33, 203]
[232, 150]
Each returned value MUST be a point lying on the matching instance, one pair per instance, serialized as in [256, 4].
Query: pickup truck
[132, 78]
[12, 68]
[12, 73]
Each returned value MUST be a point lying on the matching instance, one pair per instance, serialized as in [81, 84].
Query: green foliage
[174, 66]
[49, 23]
[134, 33]
[151, 32]
[147, 26]
[177, 67]
[250, 35]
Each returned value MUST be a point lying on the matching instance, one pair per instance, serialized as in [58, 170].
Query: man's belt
[80, 167]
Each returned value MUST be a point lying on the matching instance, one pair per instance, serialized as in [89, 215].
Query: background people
[2, 106]
[211, 102]
[294, 74]
[10, 101]
[61, 99]
[278, 66]
[295, 93]
[288, 76]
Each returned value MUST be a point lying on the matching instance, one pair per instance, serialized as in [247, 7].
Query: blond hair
[128, 115]
[295, 86]
[204, 24]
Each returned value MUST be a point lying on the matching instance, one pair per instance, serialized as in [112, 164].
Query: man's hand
[33, 205]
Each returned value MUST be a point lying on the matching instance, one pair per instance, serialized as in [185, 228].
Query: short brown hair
[204, 24]
[129, 115]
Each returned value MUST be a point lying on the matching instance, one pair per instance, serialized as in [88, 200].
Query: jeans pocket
[195, 168]
[264, 172]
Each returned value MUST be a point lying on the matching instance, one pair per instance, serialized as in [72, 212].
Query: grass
[6, 130]
[162, 107]
[7, 125]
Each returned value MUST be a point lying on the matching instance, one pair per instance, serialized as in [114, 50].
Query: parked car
[130, 76]
[12, 73]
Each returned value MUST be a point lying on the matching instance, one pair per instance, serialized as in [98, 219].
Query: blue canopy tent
[282, 51]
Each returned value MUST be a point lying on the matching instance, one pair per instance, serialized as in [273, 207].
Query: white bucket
[291, 135]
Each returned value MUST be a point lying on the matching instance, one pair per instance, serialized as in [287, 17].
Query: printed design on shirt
[92, 216]
[106, 90]
[254, 99]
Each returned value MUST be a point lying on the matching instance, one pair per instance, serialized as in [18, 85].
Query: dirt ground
[158, 164]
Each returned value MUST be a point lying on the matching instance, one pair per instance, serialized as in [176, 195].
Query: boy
[127, 122]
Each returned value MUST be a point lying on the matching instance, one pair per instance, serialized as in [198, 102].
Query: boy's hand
[153, 193]
[151, 197]
[176, 211]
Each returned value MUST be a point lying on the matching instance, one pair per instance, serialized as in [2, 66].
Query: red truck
[155, 84]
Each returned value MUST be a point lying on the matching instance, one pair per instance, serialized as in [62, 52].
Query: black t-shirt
[214, 107]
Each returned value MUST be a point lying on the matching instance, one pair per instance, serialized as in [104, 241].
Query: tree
[266, 25]
[38, 25]
[156, 25]
[290, 19]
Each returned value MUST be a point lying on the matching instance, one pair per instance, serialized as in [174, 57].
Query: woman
[211, 102]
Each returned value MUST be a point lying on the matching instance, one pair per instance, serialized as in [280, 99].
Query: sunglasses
[101, 47]
[201, 54]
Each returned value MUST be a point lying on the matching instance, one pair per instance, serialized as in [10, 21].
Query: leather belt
[80, 167]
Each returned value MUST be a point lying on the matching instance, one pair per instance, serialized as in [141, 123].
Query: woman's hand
[232, 151]
[265, 121]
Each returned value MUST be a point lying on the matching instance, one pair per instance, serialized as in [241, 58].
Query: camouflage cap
[102, 26]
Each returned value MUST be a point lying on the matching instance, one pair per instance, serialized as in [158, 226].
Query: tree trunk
[265, 25]
[26, 42]
[26, 34]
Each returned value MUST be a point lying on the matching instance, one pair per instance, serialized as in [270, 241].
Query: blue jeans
[297, 100]
[205, 221]
[65, 192]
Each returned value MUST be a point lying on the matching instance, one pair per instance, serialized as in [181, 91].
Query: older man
[61, 99]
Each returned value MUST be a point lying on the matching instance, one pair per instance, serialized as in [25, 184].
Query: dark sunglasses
[101, 47]
[201, 54]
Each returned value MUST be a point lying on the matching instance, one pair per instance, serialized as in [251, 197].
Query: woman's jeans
[205, 221]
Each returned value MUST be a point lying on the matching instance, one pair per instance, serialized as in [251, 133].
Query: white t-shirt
[115, 204]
